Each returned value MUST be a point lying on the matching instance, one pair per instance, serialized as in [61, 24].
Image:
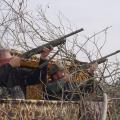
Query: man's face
[5, 57]
[60, 74]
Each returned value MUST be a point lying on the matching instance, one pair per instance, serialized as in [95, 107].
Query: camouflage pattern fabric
[34, 92]
[49, 110]
[13, 93]
[4, 93]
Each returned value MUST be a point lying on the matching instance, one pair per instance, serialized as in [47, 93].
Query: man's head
[5, 56]
[56, 72]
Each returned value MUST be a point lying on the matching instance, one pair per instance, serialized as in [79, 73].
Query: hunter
[62, 88]
[14, 79]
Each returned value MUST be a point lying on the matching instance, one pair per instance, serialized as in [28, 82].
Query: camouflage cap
[54, 68]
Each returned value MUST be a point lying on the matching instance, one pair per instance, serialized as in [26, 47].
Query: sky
[92, 15]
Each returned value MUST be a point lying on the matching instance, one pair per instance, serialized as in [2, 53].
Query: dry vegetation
[21, 30]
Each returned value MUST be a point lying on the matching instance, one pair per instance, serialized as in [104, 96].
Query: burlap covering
[34, 92]
[49, 110]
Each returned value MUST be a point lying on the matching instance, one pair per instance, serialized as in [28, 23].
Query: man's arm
[4, 72]
[35, 76]
[31, 77]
